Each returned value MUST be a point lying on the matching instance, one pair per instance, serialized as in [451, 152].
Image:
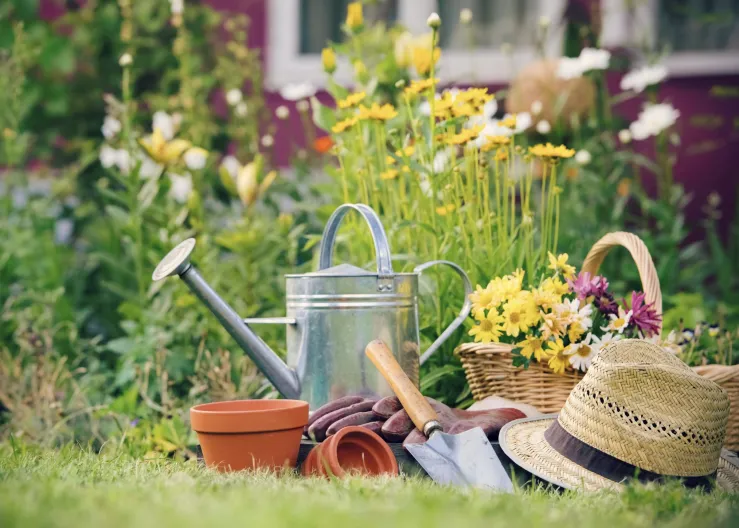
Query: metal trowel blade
[464, 459]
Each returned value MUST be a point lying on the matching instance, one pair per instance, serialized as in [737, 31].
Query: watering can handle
[463, 313]
[382, 248]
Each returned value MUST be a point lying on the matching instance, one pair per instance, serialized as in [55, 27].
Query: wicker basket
[490, 371]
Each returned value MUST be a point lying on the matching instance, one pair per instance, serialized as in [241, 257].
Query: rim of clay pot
[247, 416]
[359, 441]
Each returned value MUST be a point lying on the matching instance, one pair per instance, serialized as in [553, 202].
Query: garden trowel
[464, 459]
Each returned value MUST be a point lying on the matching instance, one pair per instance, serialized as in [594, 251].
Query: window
[701, 37]
[698, 25]
[299, 29]
[321, 20]
[494, 23]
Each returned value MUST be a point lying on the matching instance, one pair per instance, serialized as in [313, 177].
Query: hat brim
[524, 443]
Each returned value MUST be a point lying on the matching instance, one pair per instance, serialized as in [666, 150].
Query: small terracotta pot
[352, 449]
[250, 434]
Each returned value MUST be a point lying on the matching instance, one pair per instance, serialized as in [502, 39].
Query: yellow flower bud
[328, 58]
[354, 16]
[247, 185]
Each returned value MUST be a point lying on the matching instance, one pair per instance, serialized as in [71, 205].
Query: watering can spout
[177, 262]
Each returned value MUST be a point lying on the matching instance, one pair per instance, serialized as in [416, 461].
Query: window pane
[699, 25]
[321, 20]
[494, 22]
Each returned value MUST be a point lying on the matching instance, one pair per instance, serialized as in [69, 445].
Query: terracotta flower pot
[250, 434]
[352, 449]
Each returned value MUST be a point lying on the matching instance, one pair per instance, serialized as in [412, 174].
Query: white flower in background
[267, 141]
[544, 21]
[433, 21]
[640, 78]
[63, 230]
[543, 127]
[441, 161]
[149, 168]
[297, 92]
[108, 156]
[653, 120]
[241, 109]
[282, 112]
[123, 161]
[111, 127]
[582, 353]
[125, 60]
[231, 165]
[569, 68]
[523, 121]
[181, 188]
[234, 96]
[303, 105]
[618, 322]
[594, 59]
[165, 123]
[195, 158]
[581, 316]
[624, 136]
[583, 157]
[588, 60]
[465, 16]
[425, 185]
[536, 107]
[488, 111]
[177, 6]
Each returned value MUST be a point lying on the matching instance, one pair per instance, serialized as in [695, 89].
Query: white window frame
[622, 27]
[285, 64]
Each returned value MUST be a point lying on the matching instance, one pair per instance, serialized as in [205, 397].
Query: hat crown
[642, 405]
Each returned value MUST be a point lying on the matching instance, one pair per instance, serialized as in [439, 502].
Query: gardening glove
[400, 428]
[349, 410]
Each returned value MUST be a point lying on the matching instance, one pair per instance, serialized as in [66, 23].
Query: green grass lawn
[75, 488]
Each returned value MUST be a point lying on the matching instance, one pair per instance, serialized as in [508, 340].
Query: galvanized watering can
[331, 316]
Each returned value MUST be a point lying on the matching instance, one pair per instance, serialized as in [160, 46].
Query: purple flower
[134, 422]
[644, 316]
[586, 285]
[606, 304]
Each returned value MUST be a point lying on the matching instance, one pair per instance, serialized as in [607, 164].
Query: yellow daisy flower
[380, 113]
[389, 174]
[533, 346]
[501, 154]
[488, 329]
[509, 122]
[559, 264]
[558, 356]
[416, 87]
[517, 317]
[482, 299]
[351, 100]
[550, 151]
[553, 325]
[575, 332]
[494, 142]
[445, 209]
[555, 286]
[341, 126]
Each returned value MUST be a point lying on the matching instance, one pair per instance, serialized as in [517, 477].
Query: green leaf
[323, 116]
[336, 90]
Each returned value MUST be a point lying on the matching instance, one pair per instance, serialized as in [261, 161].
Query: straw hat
[639, 411]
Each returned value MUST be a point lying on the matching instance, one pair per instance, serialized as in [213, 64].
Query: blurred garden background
[129, 126]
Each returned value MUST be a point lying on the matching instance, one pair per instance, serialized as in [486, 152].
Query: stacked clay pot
[352, 449]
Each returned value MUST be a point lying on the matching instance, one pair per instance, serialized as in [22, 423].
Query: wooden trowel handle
[423, 415]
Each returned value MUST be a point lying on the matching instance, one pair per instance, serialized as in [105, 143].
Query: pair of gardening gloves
[387, 418]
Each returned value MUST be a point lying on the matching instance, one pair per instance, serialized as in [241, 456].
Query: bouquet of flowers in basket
[564, 321]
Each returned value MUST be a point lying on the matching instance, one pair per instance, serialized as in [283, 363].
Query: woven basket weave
[490, 371]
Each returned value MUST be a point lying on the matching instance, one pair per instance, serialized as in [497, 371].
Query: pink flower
[597, 287]
[644, 316]
[586, 285]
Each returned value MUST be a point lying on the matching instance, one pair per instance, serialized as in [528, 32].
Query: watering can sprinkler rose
[332, 314]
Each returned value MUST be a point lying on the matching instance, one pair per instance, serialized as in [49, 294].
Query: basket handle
[640, 254]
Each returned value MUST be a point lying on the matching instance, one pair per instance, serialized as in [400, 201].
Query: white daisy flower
[582, 353]
[618, 322]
